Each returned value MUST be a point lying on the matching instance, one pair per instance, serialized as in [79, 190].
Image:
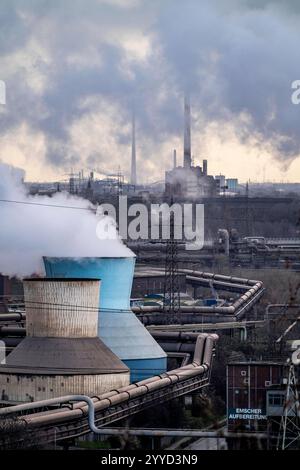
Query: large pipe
[203, 348]
[146, 246]
[184, 355]
[274, 306]
[220, 277]
[185, 309]
[179, 433]
[170, 335]
[218, 285]
[219, 281]
[16, 316]
[253, 293]
[203, 274]
[188, 327]
[12, 331]
[245, 300]
[171, 347]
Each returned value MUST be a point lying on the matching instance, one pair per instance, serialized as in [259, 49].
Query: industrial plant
[96, 341]
[150, 229]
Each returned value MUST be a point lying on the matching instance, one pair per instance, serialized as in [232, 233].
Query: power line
[67, 307]
[45, 205]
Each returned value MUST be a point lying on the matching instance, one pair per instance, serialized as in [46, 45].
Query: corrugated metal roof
[64, 356]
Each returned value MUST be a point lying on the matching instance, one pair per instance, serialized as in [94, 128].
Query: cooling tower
[119, 328]
[61, 353]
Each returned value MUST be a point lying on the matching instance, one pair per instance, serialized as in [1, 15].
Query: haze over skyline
[73, 69]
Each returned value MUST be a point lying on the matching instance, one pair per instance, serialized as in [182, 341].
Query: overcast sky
[74, 68]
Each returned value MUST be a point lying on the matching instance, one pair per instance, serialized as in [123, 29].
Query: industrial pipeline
[119, 403]
[251, 291]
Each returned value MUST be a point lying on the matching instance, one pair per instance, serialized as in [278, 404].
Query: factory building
[256, 394]
[61, 353]
[189, 181]
[119, 328]
[10, 286]
[232, 185]
[220, 184]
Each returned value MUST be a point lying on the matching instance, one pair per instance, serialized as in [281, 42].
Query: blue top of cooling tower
[119, 328]
[116, 276]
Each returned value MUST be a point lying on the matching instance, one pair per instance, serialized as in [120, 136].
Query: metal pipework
[218, 285]
[162, 329]
[115, 399]
[207, 275]
[169, 335]
[175, 343]
[186, 309]
[202, 274]
[220, 281]
[59, 401]
[200, 365]
[154, 315]
[253, 290]
[16, 316]
[12, 331]
[179, 433]
[185, 356]
[274, 306]
[138, 432]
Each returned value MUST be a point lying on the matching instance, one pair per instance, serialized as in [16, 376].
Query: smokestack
[205, 167]
[174, 159]
[133, 152]
[187, 159]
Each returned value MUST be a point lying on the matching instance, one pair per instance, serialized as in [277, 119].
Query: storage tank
[62, 353]
[119, 328]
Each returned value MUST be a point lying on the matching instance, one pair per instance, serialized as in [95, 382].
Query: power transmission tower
[171, 283]
[289, 432]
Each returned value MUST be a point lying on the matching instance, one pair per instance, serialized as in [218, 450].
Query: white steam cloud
[30, 231]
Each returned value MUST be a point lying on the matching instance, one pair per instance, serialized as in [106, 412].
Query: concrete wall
[25, 388]
[61, 309]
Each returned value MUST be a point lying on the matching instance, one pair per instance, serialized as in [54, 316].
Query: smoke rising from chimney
[29, 232]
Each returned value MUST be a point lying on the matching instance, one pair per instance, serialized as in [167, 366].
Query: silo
[119, 328]
[62, 353]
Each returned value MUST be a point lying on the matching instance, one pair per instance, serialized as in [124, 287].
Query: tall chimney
[187, 158]
[205, 167]
[174, 159]
[133, 152]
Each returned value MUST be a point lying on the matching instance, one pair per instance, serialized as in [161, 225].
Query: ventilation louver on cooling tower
[61, 353]
[119, 328]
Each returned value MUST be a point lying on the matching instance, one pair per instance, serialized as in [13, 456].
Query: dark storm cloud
[237, 61]
[290, 5]
[235, 57]
[13, 31]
